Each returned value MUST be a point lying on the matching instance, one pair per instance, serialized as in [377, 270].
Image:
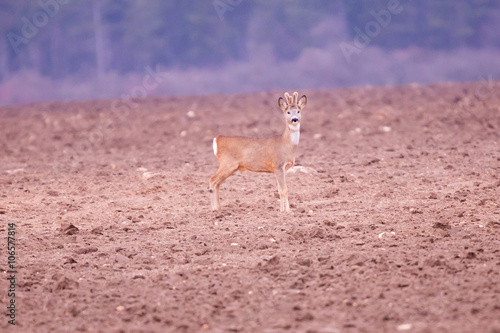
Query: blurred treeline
[89, 37]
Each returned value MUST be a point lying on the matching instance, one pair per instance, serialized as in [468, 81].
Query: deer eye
[298, 111]
[288, 112]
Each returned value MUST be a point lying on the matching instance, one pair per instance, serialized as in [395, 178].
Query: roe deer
[274, 155]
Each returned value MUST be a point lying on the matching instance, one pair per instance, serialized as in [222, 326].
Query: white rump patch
[214, 145]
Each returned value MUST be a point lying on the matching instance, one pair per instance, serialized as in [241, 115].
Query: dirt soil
[395, 222]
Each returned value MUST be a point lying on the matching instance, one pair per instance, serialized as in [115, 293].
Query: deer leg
[222, 174]
[283, 190]
[279, 192]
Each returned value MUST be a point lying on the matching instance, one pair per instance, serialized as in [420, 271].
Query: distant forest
[87, 49]
[82, 37]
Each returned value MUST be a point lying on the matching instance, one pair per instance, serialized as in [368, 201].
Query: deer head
[292, 107]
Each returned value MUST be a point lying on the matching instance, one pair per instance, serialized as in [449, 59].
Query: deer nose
[295, 120]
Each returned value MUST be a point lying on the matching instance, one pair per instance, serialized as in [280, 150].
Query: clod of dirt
[317, 233]
[298, 234]
[86, 250]
[69, 229]
[67, 284]
[306, 317]
[433, 196]
[121, 259]
[202, 252]
[274, 260]
[493, 224]
[373, 161]
[332, 193]
[471, 255]
[483, 201]
[305, 262]
[329, 223]
[442, 226]
[434, 262]
[97, 230]
[70, 261]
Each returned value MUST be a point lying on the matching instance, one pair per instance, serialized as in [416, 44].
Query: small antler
[292, 100]
[288, 98]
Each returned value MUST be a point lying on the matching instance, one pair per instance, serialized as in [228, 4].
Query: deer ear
[302, 101]
[282, 104]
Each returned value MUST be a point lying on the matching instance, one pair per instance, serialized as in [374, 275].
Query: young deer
[275, 155]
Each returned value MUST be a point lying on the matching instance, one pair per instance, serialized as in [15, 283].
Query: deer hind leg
[283, 190]
[225, 170]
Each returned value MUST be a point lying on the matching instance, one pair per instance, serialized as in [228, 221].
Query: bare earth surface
[395, 222]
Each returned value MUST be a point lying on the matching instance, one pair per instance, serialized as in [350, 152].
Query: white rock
[404, 327]
[14, 171]
[149, 175]
[386, 234]
[301, 168]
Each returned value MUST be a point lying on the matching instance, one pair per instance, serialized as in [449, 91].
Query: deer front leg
[283, 190]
